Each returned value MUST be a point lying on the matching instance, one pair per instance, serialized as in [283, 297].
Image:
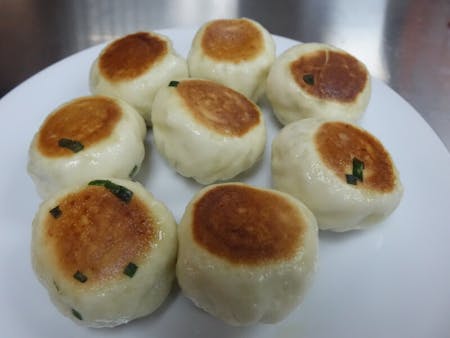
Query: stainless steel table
[406, 43]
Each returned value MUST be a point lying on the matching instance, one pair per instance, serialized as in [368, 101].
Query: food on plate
[134, 67]
[207, 131]
[235, 52]
[105, 252]
[88, 137]
[318, 80]
[342, 172]
[246, 254]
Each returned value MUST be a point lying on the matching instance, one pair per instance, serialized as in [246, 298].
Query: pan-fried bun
[340, 171]
[318, 80]
[88, 137]
[235, 52]
[246, 254]
[207, 131]
[105, 252]
[134, 67]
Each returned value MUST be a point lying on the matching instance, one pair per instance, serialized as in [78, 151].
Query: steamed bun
[237, 53]
[318, 80]
[105, 252]
[134, 67]
[340, 171]
[207, 131]
[246, 254]
[88, 137]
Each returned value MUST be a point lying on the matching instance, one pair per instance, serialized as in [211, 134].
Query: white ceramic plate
[392, 280]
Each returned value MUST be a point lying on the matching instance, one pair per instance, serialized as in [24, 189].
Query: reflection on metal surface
[406, 43]
[417, 51]
[104, 20]
[361, 34]
[187, 12]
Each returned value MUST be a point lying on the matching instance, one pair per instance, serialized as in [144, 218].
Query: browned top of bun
[98, 234]
[232, 40]
[87, 120]
[131, 56]
[219, 108]
[330, 75]
[338, 143]
[246, 225]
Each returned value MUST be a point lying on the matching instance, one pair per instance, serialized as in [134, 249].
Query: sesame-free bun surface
[311, 160]
[207, 131]
[246, 254]
[318, 80]
[104, 260]
[134, 67]
[235, 52]
[88, 137]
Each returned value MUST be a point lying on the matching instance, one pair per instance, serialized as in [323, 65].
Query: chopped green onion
[56, 212]
[73, 145]
[80, 277]
[56, 286]
[77, 314]
[351, 179]
[99, 182]
[173, 83]
[133, 171]
[357, 172]
[119, 191]
[309, 79]
[358, 167]
[130, 269]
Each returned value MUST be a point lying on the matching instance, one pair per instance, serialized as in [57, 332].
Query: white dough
[246, 76]
[117, 300]
[118, 155]
[140, 91]
[195, 150]
[298, 169]
[290, 102]
[241, 293]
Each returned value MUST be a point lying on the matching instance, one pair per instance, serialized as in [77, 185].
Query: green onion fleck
[357, 172]
[133, 171]
[351, 179]
[99, 182]
[80, 277]
[309, 79]
[77, 314]
[173, 83]
[358, 167]
[119, 191]
[56, 212]
[130, 269]
[73, 145]
[56, 287]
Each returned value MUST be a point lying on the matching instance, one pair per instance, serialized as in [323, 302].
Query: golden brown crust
[246, 225]
[98, 234]
[219, 108]
[330, 75]
[131, 56]
[338, 143]
[232, 40]
[87, 120]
